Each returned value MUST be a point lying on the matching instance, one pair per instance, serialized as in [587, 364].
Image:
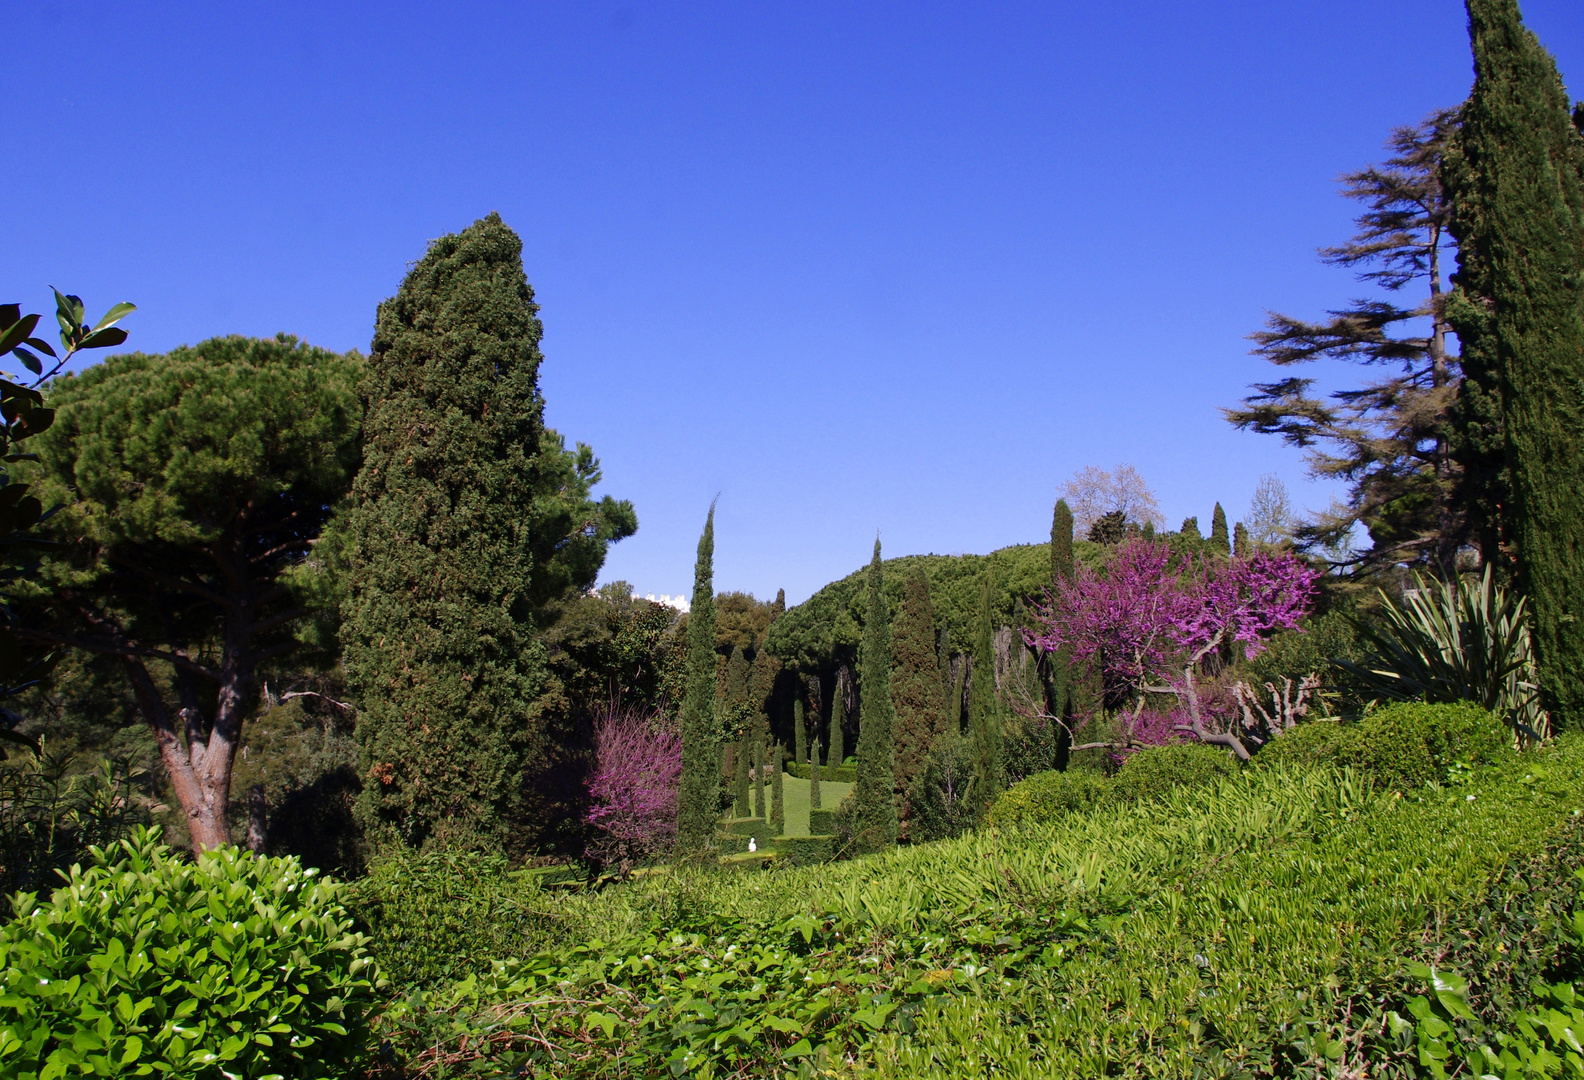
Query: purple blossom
[633, 787]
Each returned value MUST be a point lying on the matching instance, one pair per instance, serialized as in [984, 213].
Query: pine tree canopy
[876, 787]
[917, 690]
[466, 517]
[1518, 179]
[192, 486]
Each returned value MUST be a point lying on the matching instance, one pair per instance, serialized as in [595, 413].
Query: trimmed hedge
[1047, 796]
[746, 826]
[1155, 771]
[822, 822]
[829, 774]
[1403, 747]
[805, 850]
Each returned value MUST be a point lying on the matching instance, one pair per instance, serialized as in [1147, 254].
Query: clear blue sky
[854, 267]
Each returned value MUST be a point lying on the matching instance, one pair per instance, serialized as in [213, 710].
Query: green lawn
[795, 800]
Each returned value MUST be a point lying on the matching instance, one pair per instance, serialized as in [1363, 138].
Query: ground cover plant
[1264, 923]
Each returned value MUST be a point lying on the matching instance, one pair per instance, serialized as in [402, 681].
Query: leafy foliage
[1456, 640]
[145, 962]
[917, 690]
[1045, 797]
[1154, 771]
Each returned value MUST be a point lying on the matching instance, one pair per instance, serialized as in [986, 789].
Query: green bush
[1047, 796]
[148, 962]
[829, 774]
[1403, 746]
[803, 850]
[822, 822]
[1156, 770]
[444, 914]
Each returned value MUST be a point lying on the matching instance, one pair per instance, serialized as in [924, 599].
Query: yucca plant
[1458, 640]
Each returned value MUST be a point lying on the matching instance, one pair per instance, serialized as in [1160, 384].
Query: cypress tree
[742, 803]
[1240, 540]
[836, 748]
[1517, 177]
[1218, 532]
[1058, 683]
[760, 757]
[917, 692]
[984, 707]
[439, 643]
[799, 732]
[814, 792]
[876, 788]
[698, 791]
[777, 797]
[1190, 529]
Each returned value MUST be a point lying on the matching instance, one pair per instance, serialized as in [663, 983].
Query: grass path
[795, 801]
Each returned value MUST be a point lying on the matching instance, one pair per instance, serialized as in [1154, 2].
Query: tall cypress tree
[698, 791]
[777, 797]
[1517, 178]
[984, 706]
[760, 759]
[876, 788]
[444, 528]
[814, 791]
[836, 746]
[917, 692]
[1240, 540]
[1058, 686]
[799, 731]
[1219, 541]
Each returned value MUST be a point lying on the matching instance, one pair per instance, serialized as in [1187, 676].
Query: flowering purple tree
[633, 788]
[1145, 618]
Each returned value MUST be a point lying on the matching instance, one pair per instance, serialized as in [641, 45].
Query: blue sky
[854, 267]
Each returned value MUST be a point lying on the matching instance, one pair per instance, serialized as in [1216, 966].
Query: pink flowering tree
[633, 787]
[1147, 622]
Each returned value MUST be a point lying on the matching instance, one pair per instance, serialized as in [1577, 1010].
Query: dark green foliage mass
[698, 792]
[799, 730]
[1240, 540]
[1059, 671]
[467, 517]
[876, 822]
[1218, 532]
[984, 708]
[1518, 185]
[1109, 529]
[777, 795]
[940, 802]
[1048, 796]
[194, 485]
[836, 750]
[1402, 747]
[917, 692]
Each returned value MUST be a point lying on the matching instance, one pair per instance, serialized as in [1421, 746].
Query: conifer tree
[1219, 541]
[777, 797]
[917, 693]
[799, 731]
[1240, 540]
[1190, 529]
[876, 788]
[1517, 179]
[760, 757]
[836, 747]
[1058, 685]
[465, 519]
[742, 802]
[814, 791]
[984, 706]
[698, 792]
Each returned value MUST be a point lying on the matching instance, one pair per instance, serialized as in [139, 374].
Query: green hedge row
[836, 774]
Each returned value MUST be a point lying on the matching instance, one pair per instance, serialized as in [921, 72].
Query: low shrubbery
[1155, 771]
[148, 963]
[1047, 796]
[1261, 924]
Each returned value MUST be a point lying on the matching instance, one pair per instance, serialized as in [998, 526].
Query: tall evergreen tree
[1190, 529]
[799, 730]
[777, 796]
[836, 740]
[459, 532]
[814, 791]
[984, 706]
[1219, 540]
[698, 791]
[917, 693]
[742, 757]
[1240, 540]
[760, 759]
[1059, 680]
[1518, 194]
[1392, 439]
[876, 788]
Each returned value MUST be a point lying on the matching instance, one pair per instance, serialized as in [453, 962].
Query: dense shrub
[939, 803]
[1047, 796]
[1260, 927]
[148, 962]
[441, 914]
[1404, 746]
[1156, 770]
